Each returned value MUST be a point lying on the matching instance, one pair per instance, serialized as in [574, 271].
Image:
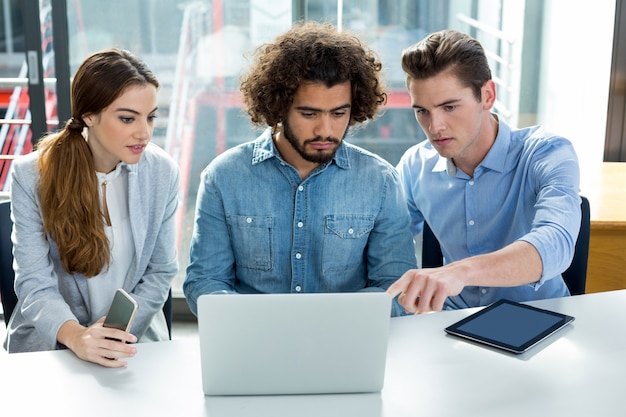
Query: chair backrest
[168, 312]
[7, 275]
[575, 276]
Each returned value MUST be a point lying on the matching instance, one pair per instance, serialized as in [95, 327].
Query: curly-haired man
[299, 210]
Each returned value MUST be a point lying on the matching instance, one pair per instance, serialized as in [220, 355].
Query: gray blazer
[48, 296]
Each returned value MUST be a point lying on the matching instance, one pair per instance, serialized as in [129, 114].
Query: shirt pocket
[252, 241]
[345, 239]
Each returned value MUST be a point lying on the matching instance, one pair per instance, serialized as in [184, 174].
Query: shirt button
[484, 291]
[350, 231]
[298, 288]
[249, 220]
[471, 182]
[298, 255]
[300, 188]
[471, 222]
[300, 224]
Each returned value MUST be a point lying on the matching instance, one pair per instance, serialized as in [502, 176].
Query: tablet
[509, 325]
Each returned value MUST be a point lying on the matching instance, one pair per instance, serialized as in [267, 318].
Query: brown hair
[311, 52]
[448, 50]
[68, 185]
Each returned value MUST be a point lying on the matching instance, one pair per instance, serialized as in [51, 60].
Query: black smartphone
[122, 311]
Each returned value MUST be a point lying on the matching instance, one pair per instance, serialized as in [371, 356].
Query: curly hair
[68, 185]
[312, 52]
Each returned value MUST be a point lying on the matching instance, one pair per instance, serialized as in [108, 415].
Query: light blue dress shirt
[526, 188]
[260, 228]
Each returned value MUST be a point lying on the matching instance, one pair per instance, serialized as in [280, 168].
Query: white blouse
[102, 287]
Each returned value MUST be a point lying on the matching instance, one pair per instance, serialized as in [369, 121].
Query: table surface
[577, 372]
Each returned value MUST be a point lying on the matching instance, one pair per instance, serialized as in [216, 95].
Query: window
[548, 67]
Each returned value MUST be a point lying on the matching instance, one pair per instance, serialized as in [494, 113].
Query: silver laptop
[293, 343]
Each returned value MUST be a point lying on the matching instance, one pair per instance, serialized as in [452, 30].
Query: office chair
[7, 275]
[7, 294]
[575, 276]
[168, 313]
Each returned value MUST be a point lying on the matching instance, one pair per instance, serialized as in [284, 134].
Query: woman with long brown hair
[93, 211]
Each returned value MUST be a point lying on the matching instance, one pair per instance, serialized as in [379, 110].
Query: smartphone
[122, 311]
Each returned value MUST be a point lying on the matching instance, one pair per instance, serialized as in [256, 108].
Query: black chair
[575, 276]
[168, 312]
[7, 275]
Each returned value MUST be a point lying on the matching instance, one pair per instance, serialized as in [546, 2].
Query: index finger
[399, 286]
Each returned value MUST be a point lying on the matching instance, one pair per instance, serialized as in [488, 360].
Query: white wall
[578, 50]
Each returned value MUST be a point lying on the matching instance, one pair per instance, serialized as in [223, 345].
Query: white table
[580, 371]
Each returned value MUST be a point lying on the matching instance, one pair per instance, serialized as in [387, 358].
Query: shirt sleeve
[211, 266]
[391, 230]
[557, 214]
[405, 170]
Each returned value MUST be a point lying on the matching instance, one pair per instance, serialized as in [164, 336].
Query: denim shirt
[260, 228]
[526, 189]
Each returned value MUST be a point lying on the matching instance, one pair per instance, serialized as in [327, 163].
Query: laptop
[255, 344]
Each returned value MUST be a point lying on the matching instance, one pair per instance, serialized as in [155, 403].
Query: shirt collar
[265, 149]
[109, 177]
[495, 159]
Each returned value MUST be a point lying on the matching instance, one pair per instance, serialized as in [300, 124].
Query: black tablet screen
[510, 325]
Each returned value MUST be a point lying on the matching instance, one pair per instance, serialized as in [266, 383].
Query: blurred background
[553, 64]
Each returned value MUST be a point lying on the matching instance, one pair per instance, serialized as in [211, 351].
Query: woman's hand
[97, 344]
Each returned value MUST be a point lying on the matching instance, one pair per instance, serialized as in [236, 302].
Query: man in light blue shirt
[502, 202]
[298, 210]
